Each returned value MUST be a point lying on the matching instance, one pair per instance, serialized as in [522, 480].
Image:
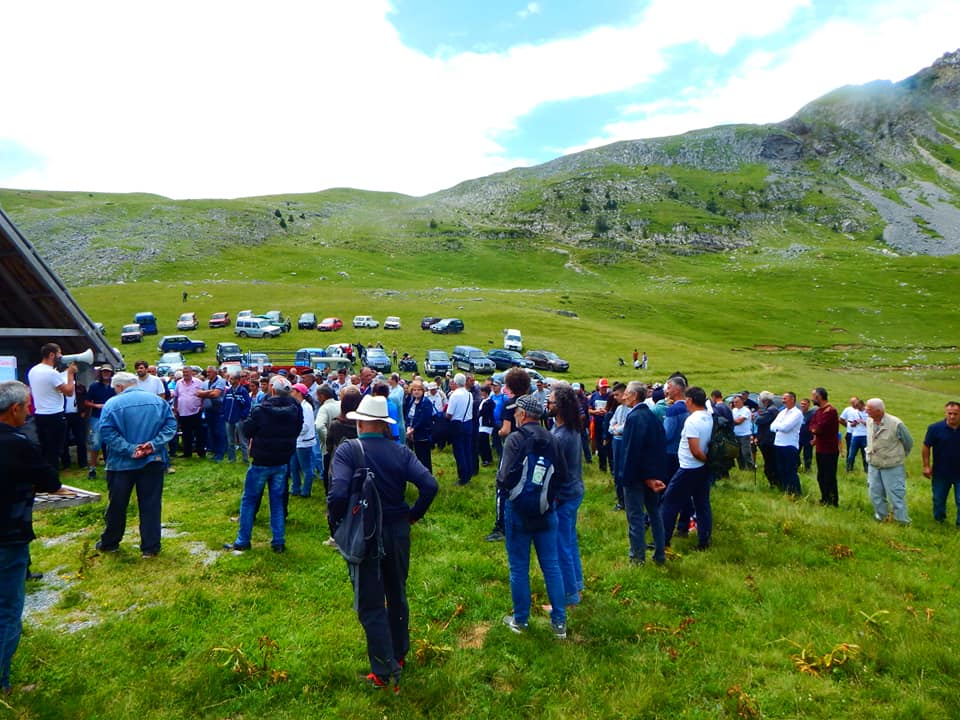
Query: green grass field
[786, 587]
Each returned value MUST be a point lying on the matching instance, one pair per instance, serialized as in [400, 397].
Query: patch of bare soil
[797, 347]
[767, 348]
[473, 638]
[838, 329]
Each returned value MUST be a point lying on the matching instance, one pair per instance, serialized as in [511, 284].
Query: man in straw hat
[380, 587]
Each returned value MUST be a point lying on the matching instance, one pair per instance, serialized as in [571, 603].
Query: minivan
[512, 340]
[255, 327]
[147, 322]
[472, 360]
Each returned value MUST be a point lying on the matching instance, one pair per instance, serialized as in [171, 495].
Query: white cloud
[531, 9]
[223, 99]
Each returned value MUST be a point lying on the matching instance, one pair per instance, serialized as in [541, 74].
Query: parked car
[472, 359]
[131, 333]
[428, 321]
[365, 321]
[255, 327]
[512, 340]
[546, 360]
[378, 359]
[170, 361]
[534, 378]
[506, 359]
[437, 362]
[228, 352]
[182, 343]
[257, 360]
[391, 323]
[188, 321]
[330, 324]
[147, 322]
[304, 356]
[340, 350]
[244, 314]
[220, 320]
[307, 321]
[277, 318]
[448, 325]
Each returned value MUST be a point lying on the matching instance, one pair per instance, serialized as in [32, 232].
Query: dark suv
[448, 325]
[228, 352]
[546, 360]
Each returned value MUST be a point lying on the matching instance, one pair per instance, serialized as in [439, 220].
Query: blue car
[180, 343]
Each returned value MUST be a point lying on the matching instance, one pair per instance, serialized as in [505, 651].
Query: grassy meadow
[797, 611]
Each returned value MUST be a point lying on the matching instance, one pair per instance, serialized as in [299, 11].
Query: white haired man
[888, 444]
[459, 415]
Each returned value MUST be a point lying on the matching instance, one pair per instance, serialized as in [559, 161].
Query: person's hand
[72, 369]
[655, 485]
[142, 450]
[927, 471]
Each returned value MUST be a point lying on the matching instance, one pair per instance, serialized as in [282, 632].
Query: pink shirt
[186, 394]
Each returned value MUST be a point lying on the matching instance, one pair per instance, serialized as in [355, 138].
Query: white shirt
[860, 428]
[438, 400]
[699, 424]
[70, 401]
[746, 427]
[44, 381]
[308, 433]
[152, 384]
[460, 406]
[787, 427]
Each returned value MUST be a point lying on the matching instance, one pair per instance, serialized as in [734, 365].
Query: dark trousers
[483, 447]
[770, 465]
[637, 499]
[191, 433]
[52, 433]
[148, 482]
[381, 600]
[585, 442]
[76, 435]
[422, 449]
[461, 437]
[788, 461]
[827, 478]
[685, 484]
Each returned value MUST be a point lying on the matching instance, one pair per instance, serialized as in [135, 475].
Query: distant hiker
[944, 439]
[888, 444]
[185, 296]
[636, 355]
[643, 361]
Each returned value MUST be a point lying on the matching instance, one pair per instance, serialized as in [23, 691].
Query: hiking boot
[379, 683]
[495, 536]
[235, 546]
[100, 546]
[330, 542]
[559, 630]
[511, 622]
[618, 507]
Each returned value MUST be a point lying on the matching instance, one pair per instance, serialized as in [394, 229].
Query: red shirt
[825, 426]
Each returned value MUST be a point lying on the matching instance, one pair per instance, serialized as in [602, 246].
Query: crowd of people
[289, 429]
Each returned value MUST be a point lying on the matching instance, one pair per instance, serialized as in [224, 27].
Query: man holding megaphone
[48, 388]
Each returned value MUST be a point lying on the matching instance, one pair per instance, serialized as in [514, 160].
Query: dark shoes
[495, 536]
[235, 546]
[102, 548]
[278, 548]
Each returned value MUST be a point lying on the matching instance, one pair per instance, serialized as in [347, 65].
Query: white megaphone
[84, 358]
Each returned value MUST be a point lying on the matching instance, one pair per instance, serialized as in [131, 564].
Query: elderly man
[49, 388]
[212, 395]
[273, 427]
[380, 583]
[787, 443]
[135, 426]
[187, 404]
[23, 472]
[888, 444]
[943, 438]
[643, 474]
[459, 417]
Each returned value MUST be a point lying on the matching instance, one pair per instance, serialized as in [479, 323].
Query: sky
[217, 99]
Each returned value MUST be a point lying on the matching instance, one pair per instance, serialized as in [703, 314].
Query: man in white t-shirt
[151, 383]
[692, 479]
[48, 388]
[743, 430]
[787, 443]
[848, 418]
[857, 435]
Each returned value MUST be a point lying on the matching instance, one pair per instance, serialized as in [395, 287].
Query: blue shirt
[673, 424]
[945, 443]
[99, 393]
[236, 404]
[131, 418]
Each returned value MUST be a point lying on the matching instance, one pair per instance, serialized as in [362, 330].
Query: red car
[220, 319]
[329, 324]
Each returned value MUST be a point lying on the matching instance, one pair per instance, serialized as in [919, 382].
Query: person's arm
[925, 456]
[694, 444]
[511, 451]
[165, 433]
[112, 438]
[66, 389]
[905, 438]
[426, 484]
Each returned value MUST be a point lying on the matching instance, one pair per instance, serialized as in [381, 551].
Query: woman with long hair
[564, 408]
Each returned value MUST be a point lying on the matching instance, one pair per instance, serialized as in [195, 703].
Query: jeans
[216, 435]
[788, 460]
[685, 484]
[148, 482]
[302, 462]
[568, 549]
[888, 492]
[381, 600]
[616, 460]
[941, 489]
[640, 501]
[462, 440]
[236, 439]
[14, 560]
[827, 478]
[585, 443]
[518, 556]
[274, 477]
[858, 444]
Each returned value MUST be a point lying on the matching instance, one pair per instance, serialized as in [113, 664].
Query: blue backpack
[530, 478]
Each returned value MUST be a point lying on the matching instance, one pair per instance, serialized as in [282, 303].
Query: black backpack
[360, 534]
[723, 448]
[530, 482]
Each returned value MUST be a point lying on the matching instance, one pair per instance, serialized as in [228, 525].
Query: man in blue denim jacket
[136, 426]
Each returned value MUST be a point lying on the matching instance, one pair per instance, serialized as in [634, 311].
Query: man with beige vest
[888, 444]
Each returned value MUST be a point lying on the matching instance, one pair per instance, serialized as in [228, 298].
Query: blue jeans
[640, 501]
[302, 462]
[216, 435]
[148, 482]
[14, 560]
[518, 556]
[788, 460]
[941, 489]
[236, 439]
[568, 549]
[685, 484]
[274, 477]
[858, 444]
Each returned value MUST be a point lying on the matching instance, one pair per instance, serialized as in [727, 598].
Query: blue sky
[409, 95]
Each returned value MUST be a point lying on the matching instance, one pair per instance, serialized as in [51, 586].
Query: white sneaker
[330, 542]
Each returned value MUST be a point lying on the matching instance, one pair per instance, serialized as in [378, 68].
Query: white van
[255, 327]
[512, 340]
[365, 321]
